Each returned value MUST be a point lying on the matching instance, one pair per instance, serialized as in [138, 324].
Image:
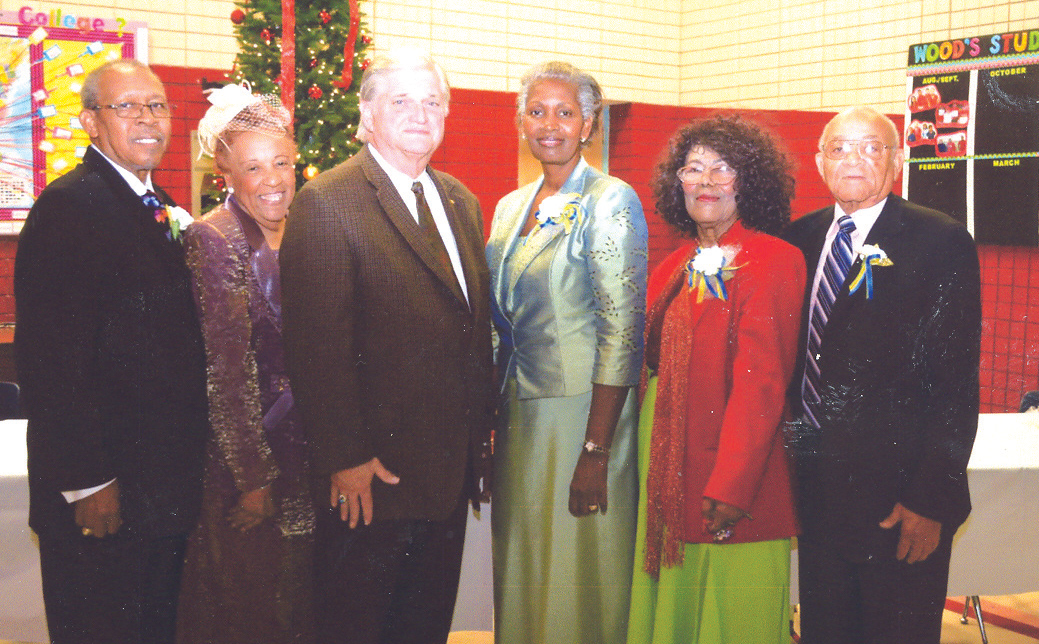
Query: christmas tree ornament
[310, 172]
[310, 54]
[237, 16]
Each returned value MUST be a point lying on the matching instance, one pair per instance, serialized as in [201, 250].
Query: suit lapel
[505, 230]
[467, 251]
[539, 238]
[402, 219]
[128, 204]
[884, 229]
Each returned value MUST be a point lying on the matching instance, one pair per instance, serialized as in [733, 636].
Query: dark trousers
[391, 582]
[118, 590]
[881, 601]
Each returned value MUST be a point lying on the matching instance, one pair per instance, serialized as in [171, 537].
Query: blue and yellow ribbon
[865, 273]
[713, 284]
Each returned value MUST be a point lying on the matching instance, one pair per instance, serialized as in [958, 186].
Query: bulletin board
[44, 57]
[972, 133]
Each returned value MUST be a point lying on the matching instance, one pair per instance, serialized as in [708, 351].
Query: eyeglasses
[719, 175]
[158, 109]
[869, 149]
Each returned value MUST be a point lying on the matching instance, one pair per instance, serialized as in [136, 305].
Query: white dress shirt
[402, 182]
[864, 220]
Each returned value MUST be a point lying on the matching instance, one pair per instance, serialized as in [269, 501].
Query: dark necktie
[151, 200]
[429, 228]
[835, 271]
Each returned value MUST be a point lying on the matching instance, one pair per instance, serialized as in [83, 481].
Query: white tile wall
[781, 54]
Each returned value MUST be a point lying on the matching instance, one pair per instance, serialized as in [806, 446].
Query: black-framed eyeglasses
[838, 150]
[720, 174]
[159, 109]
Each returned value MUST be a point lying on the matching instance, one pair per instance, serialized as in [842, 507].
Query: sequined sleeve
[616, 242]
[222, 296]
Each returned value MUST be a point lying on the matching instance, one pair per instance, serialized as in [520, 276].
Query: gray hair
[862, 111]
[92, 84]
[589, 94]
[383, 64]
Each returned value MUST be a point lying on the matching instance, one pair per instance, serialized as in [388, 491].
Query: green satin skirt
[721, 594]
[560, 579]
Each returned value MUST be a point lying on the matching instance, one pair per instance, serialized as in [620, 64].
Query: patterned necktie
[151, 200]
[429, 228]
[835, 270]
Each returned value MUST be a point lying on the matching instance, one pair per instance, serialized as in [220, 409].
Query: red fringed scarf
[665, 490]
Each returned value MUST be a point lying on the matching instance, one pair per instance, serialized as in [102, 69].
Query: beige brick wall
[823, 54]
[776, 54]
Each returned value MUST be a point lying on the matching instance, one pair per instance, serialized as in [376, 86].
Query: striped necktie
[835, 270]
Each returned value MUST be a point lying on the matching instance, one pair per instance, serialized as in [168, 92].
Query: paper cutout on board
[972, 133]
[42, 67]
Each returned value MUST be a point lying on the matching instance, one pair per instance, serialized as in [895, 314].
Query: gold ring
[593, 507]
[341, 499]
[87, 532]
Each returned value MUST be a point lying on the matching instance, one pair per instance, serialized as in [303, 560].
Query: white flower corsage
[871, 255]
[179, 219]
[564, 209]
[708, 270]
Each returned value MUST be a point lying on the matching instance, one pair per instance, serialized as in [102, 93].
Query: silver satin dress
[568, 310]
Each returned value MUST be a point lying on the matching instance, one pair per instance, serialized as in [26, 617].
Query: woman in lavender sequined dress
[247, 572]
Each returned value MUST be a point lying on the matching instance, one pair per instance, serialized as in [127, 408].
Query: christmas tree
[326, 111]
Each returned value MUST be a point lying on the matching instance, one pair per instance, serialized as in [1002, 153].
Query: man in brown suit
[385, 304]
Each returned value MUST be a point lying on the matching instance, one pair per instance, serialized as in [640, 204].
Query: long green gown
[721, 594]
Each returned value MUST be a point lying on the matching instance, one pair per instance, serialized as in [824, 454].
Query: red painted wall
[480, 150]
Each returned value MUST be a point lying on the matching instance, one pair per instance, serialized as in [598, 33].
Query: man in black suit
[385, 297]
[112, 369]
[889, 395]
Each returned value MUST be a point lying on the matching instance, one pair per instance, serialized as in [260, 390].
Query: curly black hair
[764, 174]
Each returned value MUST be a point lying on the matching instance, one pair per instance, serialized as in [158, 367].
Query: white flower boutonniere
[871, 255]
[564, 209]
[179, 220]
[708, 271]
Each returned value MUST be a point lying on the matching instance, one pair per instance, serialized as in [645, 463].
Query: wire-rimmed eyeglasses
[159, 109]
[838, 149]
[719, 174]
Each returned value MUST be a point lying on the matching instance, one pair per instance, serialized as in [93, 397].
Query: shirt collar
[864, 218]
[138, 186]
[401, 181]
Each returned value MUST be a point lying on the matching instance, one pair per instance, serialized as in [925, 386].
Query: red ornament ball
[315, 92]
[325, 16]
[365, 63]
[313, 63]
[366, 39]
[237, 16]
[266, 35]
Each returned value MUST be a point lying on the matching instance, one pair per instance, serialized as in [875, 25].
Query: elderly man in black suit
[888, 393]
[112, 368]
[385, 297]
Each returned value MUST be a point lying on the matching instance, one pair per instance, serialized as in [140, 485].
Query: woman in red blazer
[716, 511]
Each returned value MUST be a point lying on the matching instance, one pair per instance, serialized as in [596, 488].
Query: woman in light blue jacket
[567, 256]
